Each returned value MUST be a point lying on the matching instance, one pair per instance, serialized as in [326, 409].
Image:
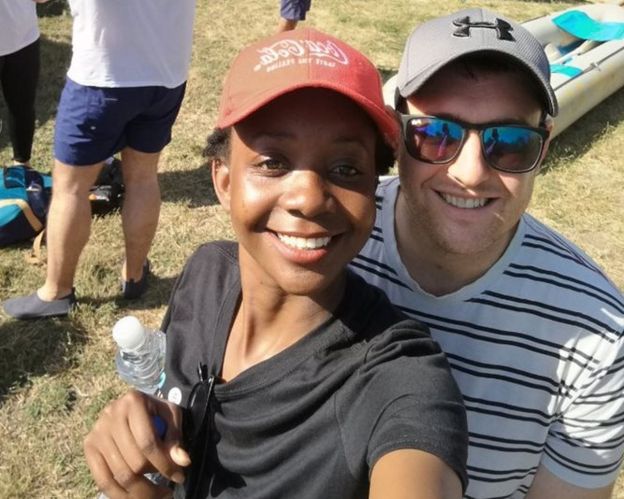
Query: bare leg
[141, 208]
[68, 227]
[286, 25]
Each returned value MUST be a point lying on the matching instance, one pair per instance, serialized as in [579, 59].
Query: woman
[19, 71]
[299, 379]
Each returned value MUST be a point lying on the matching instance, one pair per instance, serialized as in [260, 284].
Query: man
[123, 92]
[533, 330]
[291, 12]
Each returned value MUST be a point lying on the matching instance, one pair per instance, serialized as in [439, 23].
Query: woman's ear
[221, 182]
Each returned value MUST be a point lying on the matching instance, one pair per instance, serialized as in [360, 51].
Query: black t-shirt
[311, 421]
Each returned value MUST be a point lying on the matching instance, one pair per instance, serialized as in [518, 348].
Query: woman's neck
[269, 320]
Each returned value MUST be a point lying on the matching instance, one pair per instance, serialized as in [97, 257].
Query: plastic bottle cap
[129, 333]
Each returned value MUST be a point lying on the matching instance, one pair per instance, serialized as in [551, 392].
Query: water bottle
[140, 362]
[140, 357]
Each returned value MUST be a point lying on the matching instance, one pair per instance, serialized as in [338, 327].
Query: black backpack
[106, 195]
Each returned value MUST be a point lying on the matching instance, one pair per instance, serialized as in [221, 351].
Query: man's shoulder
[549, 259]
[556, 249]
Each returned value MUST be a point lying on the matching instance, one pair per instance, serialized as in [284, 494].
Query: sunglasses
[196, 429]
[506, 147]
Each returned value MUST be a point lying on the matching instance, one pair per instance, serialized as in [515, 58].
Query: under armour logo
[503, 28]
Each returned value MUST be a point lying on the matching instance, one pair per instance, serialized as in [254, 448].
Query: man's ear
[549, 124]
[221, 182]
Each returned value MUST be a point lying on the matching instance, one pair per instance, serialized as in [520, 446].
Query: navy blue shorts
[93, 123]
[294, 10]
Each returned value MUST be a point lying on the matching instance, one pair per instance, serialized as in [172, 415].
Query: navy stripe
[552, 308]
[611, 444]
[375, 263]
[544, 315]
[508, 369]
[552, 239]
[588, 469]
[490, 474]
[617, 302]
[508, 416]
[606, 301]
[501, 440]
[378, 273]
[501, 337]
[591, 423]
[562, 255]
[468, 401]
[616, 367]
[599, 398]
[508, 379]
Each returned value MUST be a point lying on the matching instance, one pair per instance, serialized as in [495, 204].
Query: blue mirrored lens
[435, 139]
[511, 148]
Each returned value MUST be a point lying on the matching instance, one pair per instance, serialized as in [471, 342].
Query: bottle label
[175, 395]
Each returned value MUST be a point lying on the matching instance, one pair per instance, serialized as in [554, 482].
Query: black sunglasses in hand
[196, 428]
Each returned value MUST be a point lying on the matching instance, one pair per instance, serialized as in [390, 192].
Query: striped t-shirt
[537, 348]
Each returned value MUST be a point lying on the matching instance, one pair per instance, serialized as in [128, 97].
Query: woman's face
[300, 188]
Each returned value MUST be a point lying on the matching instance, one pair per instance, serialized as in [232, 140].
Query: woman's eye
[345, 170]
[271, 164]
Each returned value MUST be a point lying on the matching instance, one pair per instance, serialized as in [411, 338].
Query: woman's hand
[123, 445]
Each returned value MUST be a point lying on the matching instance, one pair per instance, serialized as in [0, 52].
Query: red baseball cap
[302, 58]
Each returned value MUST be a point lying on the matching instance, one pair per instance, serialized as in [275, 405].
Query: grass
[58, 374]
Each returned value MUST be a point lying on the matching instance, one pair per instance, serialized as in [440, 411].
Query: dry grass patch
[57, 375]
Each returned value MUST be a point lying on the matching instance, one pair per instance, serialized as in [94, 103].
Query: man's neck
[437, 270]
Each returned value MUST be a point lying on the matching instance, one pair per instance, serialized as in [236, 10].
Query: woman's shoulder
[214, 253]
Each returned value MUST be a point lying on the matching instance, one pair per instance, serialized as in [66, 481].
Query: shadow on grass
[45, 347]
[36, 348]
[55, 57]
[157, 295]
[191, 186]
[578, 138]
[52, 8]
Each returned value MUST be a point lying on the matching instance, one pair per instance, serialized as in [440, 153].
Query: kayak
[585, 47]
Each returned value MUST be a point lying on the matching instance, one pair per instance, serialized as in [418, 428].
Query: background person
[310, 383]
[19, 72]
[533, 329]
[291, 12]
[124, 89]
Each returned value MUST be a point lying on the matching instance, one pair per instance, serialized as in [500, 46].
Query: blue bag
[24, 199]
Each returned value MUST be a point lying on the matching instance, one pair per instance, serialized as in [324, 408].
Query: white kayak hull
[601, 64]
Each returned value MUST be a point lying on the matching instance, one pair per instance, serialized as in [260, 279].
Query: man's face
[466, 207]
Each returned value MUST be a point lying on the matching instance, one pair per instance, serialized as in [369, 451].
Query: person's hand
[123, 445]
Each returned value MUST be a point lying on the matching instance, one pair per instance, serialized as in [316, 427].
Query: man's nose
[469, 167]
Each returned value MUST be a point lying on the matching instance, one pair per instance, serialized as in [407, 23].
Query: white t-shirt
[18, 25]
[131, 43]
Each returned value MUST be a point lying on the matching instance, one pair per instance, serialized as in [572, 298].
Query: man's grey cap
[439, 41]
